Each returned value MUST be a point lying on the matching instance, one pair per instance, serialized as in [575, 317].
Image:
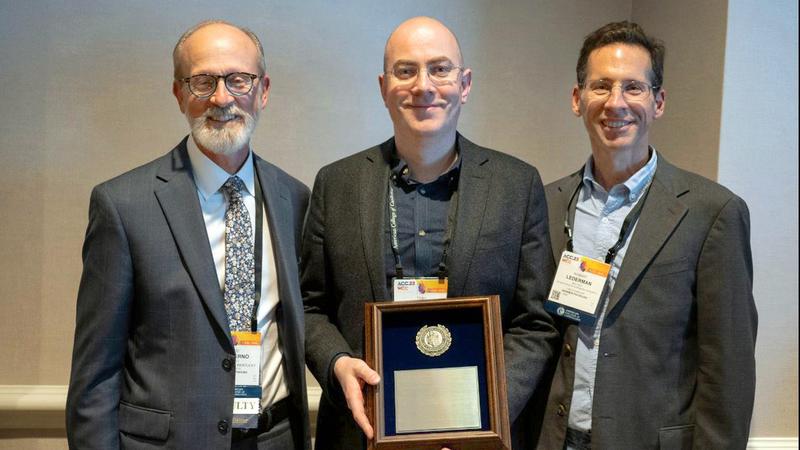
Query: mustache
[226, 113]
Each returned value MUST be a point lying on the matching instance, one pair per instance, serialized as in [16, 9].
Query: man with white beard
[189, 329]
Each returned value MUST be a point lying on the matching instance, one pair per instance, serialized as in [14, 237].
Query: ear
[382, 84]
[180, 94]
[661, 97]
[264, 82]
[576, 100]
[466, 85]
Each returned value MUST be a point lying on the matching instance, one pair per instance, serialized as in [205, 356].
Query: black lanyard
[395, 244]
[258, 251]
[623, 232]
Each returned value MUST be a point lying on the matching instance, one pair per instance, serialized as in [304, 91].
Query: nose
[221, 97]
[422, 83]
[615, 98]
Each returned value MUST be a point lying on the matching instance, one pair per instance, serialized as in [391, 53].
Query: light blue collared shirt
[598, 220]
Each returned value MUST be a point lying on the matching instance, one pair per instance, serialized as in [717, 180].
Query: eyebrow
[435, 60]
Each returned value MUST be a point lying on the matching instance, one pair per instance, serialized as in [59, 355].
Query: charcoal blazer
[676, 367]
[152, 360]
[500, 246]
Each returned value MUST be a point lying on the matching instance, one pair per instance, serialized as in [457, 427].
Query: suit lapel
[277, 208]
[279, 212]
[374, 179]
[178, 199]
[661, 214]
[557, 208]
[473, 193]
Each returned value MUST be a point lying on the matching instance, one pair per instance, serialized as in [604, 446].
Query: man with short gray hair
[189, 328]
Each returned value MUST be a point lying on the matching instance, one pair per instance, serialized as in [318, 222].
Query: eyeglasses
[204, 85]
[632, 90]
[439, 73]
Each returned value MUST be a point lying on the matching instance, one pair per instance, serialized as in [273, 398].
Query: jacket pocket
[144, 422]
[676, 438]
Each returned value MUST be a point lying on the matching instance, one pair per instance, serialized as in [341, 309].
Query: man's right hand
[352, 373]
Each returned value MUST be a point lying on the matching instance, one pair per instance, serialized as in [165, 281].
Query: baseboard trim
[772, 443]
[39, 403]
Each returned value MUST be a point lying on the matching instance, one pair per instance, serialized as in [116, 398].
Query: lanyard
[258, 251]
[395, 244]
[632, 216]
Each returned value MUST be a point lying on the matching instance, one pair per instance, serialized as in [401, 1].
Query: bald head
[211, 28]
[420, 31]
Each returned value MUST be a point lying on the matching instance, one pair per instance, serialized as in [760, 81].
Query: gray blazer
[151, 362]
[500, 247]
[676, 368]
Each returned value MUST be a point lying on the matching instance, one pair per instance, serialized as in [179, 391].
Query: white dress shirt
[209, 178]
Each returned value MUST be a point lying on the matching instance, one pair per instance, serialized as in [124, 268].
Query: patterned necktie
[239, 268]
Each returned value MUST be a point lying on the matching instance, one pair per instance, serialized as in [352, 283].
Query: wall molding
[33, 400]
[772, 443]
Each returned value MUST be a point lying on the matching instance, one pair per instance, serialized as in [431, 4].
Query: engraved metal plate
[437, 399]
[433, 340]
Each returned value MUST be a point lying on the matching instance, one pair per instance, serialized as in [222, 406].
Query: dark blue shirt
[422, 210]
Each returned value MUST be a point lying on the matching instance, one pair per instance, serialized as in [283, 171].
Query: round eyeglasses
[204, 85]
[438, 73]
[632, 90]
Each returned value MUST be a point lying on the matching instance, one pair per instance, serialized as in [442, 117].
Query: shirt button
[422, 232]
[227, 364]
[562, 410]
[422, 190]
[605, 219]
[222, 426]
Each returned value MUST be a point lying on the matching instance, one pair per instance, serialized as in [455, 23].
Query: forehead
[422, 44]
[219, 49]
[619, 61]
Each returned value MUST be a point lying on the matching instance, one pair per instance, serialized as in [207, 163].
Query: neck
[612, 168]
[229, 162]
[427, 157]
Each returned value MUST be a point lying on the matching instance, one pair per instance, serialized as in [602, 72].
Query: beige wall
[758, 158]
[86, 96]
[694, 33]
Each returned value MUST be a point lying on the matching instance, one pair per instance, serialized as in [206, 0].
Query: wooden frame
[497, 436]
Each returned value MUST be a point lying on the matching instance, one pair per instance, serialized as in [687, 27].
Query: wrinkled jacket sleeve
[324, 342]
[531, 337]
[101, 329]
[726, 329]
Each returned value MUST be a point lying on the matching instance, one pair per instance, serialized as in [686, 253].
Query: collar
[634, 186]
[399, 167]
[209, 177]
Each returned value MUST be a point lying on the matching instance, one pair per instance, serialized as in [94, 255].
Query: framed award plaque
[442, 374]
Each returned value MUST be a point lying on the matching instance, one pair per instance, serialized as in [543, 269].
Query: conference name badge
[247, 389]
[577, 287]
[423, 288]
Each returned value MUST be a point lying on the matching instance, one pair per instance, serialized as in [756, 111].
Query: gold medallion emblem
[433, 340]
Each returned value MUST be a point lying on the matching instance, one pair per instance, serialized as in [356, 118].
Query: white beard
[227, 139]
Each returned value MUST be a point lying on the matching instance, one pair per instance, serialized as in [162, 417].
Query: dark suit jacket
[500, 247]
[676, 368]
[151, 333]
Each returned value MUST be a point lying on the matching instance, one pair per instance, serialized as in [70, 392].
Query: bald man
[470, 214]
[189, 330]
